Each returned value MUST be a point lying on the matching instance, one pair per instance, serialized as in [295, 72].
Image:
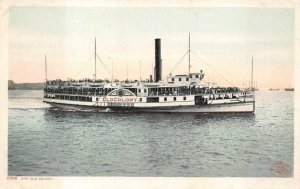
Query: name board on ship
[119, 99]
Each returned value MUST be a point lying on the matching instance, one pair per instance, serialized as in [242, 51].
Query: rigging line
[179, 62]
[212, 68]
[83, 66]
[103, 64]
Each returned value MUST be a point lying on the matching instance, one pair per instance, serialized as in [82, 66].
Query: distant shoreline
[25, 86]
[25, 89]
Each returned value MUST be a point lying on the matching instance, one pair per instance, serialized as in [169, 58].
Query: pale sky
[224, 38]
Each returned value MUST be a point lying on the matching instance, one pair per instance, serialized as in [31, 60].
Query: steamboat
[289, 88]
[179, 94]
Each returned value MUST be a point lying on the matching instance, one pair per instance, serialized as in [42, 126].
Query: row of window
[75, 98]
[156, 99]
[187, 79]
[145, 90]
[174, 98]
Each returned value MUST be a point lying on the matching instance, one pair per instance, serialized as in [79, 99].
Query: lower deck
[187, 103]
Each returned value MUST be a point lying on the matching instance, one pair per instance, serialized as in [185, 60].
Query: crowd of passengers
[79, 91]
[60, 82]
[151, 92]
[193, 90]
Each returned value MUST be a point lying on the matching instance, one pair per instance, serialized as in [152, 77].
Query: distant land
[25, 86]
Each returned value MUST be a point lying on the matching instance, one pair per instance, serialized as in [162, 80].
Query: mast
[46, 70]
[252, 74]
[127, 70]
[112, 70]
[95, 61]
[140, 71]
[189, 54]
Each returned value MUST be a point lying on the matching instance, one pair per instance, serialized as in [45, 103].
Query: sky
[223, 42]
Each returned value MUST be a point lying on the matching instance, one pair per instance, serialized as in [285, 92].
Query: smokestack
[151, 80]
[157, 68]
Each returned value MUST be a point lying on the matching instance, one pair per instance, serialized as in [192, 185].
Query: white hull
[221, 108]
[209, 108]
[206, 103]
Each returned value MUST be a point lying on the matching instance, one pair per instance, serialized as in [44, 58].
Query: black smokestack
[157, 68]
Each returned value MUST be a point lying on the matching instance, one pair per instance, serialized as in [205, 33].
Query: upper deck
[139, 89]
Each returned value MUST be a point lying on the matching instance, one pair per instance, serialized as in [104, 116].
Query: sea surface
[44, 141]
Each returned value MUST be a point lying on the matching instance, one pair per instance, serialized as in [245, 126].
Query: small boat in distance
[289, 89]
[274, 89]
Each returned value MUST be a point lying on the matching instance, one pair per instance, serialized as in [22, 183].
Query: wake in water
[74, 109]
[27, 104]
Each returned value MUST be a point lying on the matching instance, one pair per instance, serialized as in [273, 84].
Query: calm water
[43, 141]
